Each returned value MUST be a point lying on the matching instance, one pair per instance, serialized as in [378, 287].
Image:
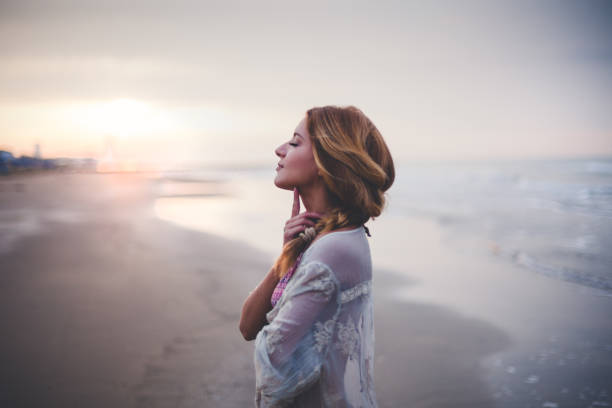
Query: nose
[280, 151]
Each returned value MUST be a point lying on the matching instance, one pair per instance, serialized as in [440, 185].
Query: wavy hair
[356, 167]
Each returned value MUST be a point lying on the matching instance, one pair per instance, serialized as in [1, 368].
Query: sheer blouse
[318, 348]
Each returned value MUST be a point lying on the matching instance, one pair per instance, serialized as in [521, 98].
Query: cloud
[446, 72]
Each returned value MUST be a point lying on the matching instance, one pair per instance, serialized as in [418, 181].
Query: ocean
[552, 217]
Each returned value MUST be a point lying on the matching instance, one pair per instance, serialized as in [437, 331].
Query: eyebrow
[297, 134]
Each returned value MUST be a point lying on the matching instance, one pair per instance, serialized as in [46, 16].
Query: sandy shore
[104, 305]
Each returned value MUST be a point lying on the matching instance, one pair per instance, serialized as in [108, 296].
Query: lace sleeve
[287, 360]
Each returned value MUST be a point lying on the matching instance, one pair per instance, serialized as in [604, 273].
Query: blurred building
[5, 159]
[11, 164]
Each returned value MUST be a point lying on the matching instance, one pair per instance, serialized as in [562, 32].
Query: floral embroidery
[362, 288]
[336, 351]
[273, 339]
[323, 334]
[324, 286]
[348, 337]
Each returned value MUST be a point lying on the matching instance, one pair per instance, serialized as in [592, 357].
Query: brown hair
[356, 167]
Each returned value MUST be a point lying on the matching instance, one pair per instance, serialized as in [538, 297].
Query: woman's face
[296, 166]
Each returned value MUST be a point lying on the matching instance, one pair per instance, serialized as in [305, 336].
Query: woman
[311, 316]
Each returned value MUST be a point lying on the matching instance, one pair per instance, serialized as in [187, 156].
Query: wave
[532, 263]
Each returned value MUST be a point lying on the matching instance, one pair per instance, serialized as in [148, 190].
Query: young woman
[311, 316]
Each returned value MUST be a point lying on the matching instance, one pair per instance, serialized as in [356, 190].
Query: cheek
[301, 168]
[299, 158]
[307, 164]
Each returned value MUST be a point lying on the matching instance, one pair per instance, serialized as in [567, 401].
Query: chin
[284, 186]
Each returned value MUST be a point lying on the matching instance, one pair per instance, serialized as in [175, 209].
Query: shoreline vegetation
[108, 305]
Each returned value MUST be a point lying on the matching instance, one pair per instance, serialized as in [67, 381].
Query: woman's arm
[289, 350]
[256, 305]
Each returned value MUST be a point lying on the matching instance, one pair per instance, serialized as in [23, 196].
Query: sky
[205, 82]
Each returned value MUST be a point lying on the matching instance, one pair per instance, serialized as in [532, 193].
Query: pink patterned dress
[282, 284]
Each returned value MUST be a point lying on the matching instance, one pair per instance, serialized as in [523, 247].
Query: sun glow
[116, 131]
[121, 118]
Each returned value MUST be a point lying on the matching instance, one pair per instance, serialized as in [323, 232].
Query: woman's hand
[298, 222]
[257, 304]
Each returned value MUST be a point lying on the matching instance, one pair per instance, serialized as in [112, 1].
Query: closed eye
[292, 144]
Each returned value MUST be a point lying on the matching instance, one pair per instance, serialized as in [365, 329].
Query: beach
[107, 304]
[110, 307]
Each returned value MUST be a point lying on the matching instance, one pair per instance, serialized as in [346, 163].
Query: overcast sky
[215, 81]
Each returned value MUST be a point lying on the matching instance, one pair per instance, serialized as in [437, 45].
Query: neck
[315, 198]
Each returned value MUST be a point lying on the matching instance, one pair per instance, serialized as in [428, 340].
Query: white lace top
[318, 348]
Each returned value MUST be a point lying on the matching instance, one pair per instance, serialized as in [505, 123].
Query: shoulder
[333, 232]
[338, 241]
[345, 251]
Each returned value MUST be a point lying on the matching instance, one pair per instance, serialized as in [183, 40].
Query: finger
[312, 214]
[296, 202]
[298, 225]
[302, 217]
[292, 232]
[300, 221]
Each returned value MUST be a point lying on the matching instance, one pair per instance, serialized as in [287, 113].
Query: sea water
[552, 217]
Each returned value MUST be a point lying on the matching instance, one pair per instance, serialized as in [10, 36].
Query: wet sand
[104, 305]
